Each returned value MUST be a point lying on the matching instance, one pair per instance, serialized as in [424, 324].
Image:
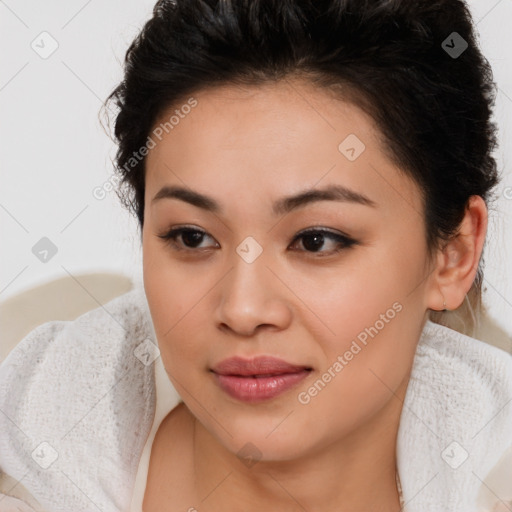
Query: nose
[252, 297]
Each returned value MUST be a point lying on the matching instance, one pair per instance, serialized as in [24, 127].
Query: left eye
[312, 239]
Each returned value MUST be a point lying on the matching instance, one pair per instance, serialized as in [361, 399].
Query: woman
[311, 181]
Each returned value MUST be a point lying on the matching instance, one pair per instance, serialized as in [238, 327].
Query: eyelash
[345, 241]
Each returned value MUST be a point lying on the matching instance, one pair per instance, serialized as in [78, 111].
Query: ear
[457, 261]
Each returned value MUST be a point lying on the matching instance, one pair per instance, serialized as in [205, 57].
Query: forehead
[281, 136]
[275, 114]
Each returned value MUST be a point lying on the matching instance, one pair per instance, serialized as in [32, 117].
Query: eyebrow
[281, 206]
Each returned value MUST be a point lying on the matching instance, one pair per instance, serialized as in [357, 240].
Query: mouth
[258, 379]
[261, 365]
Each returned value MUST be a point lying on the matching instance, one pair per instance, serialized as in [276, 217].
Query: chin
[260, 439]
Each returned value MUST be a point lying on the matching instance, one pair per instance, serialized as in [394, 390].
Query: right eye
[191, 238]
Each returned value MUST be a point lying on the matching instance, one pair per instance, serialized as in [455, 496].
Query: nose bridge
[251, 295]
[249, 275]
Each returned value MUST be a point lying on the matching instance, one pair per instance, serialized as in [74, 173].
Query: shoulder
[57, 354]
[489, 373]
[78, 388]
[480, 355]
[126, 315]
[470, 363]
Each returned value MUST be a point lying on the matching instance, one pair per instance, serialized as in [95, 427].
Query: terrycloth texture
[85, 392]
[78, 386]
[456, 422]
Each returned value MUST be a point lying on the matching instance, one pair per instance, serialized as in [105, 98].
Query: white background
[54, 151]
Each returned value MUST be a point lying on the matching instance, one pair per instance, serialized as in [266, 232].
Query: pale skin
[245, 149]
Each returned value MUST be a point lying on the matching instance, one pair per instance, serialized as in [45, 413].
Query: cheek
[362, 371]
[343, 302]
[177, 314]
[369, 326]
[178, 300]
[180, 332]
[171, 287]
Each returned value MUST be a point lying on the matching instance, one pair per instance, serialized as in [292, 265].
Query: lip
[257, 379]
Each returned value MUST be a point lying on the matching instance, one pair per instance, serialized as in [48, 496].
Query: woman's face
[251, 285]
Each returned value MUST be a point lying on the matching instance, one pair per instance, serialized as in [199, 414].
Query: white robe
[80, 403]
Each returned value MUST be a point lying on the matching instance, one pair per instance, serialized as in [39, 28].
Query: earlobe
[457, 261]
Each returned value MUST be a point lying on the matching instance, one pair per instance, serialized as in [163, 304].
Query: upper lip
[261, 365]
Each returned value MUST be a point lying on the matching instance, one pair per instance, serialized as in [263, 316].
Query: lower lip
[257, 389]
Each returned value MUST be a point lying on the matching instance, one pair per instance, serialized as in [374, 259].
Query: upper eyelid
[312, 229]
